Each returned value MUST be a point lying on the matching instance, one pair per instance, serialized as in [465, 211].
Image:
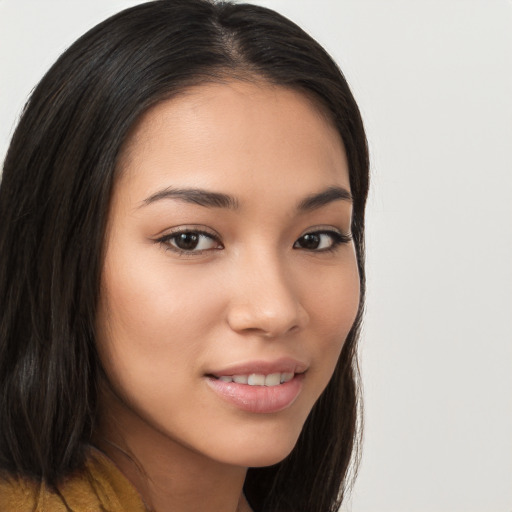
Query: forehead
[235, 134]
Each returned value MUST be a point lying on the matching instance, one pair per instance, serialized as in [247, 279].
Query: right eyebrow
[330, 194]
[198, 196]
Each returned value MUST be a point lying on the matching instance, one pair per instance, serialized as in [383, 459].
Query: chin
[269, 456]
[267, 459]
[259, 449]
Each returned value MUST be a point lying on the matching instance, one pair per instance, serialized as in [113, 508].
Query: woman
[181, 271]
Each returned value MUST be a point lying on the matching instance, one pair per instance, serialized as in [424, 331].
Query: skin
[257, 290]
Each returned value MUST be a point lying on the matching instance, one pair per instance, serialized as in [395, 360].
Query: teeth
[258, 379]
[287, 377]
[273, 379]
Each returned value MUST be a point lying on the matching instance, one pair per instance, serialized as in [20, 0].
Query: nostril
[267, 322]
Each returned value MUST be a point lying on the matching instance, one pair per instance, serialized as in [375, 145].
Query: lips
[283, 365]
[259, 386]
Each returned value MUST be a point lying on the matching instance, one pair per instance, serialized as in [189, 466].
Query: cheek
[334, 297]
[150, 301]
[333, 307]
[148, 336]
[147, 317]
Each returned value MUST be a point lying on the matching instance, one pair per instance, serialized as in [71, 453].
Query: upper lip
[282, 365]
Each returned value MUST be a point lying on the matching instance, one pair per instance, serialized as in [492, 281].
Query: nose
[265, 300]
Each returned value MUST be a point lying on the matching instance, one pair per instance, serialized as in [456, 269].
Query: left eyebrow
[315, 201]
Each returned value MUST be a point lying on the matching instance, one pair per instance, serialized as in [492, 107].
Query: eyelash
[166, 241]
[337, 239]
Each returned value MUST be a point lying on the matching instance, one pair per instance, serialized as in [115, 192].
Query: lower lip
[258, 399]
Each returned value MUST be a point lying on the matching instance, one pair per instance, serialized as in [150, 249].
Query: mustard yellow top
[101, 487]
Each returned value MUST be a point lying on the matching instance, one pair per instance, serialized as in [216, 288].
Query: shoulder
[100, 486]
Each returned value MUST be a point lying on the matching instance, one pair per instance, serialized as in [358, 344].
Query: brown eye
[187, 241]
[310, 241]
[190, 242]
[321, 241]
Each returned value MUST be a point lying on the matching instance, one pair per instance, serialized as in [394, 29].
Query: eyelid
[327, 229]
[189, 228]
[339, 238]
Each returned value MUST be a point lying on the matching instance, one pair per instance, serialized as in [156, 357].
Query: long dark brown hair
[54, 199]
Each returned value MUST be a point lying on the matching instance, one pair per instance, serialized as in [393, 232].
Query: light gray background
[434, 82]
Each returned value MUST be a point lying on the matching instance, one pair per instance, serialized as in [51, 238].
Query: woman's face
[230, 279]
